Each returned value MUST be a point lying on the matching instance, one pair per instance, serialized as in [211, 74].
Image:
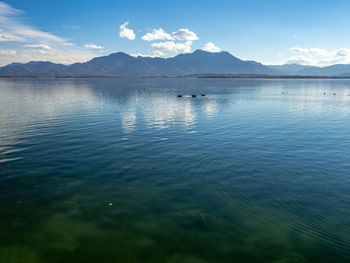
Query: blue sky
[272, 32]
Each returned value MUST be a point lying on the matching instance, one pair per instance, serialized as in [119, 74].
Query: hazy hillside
[301, 70]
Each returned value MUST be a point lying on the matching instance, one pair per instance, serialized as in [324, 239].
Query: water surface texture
[122, 170]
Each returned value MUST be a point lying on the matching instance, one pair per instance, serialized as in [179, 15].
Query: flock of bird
[193, 95]
[324, 93]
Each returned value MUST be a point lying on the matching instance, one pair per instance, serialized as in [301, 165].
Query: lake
[122, 170]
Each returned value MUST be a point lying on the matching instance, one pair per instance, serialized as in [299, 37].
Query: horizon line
[154, 57]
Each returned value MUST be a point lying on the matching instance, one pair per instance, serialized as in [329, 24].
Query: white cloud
[210, 47]
[13, 29]
[181, 40]
[318, 51]
[304, 60]
[173, 47]
[92, 46]
[139, 55]
[126, 32]
[185, 34]
[157, 34]
[56, 55]
[40, 46]
[7, 10]
[318, 56]
[8, 52]
[29, 43]
[298, 50]
[181, 34]
[156, 53]
[8, 37]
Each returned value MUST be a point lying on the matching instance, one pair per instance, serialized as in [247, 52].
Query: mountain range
[196, 63]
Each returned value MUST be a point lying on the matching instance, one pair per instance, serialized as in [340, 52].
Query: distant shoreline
[178, 77]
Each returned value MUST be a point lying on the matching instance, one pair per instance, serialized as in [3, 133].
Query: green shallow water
[255, 171]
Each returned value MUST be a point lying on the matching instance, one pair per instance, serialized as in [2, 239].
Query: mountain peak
[119, 54]
[200, 51]
[208, 53]
[122, 64]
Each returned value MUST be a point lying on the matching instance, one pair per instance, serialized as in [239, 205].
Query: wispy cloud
[29, 43]
[40, 46]
[126, 32]
[156, 53]
[298, 50]
[92, 46]
[12, 29]
[7, 10]
[211, 47]
[8, 52]
[317, 51]
[10, 37]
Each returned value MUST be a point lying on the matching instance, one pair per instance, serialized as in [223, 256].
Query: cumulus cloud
[157, 34]
[318, 56]
[181, 40]
[92, 46]
[185, 34]
[173, 47]
[182, 34]
[211, 47]
[126, 32]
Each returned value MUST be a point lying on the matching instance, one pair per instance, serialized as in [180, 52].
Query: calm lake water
[255, 171]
